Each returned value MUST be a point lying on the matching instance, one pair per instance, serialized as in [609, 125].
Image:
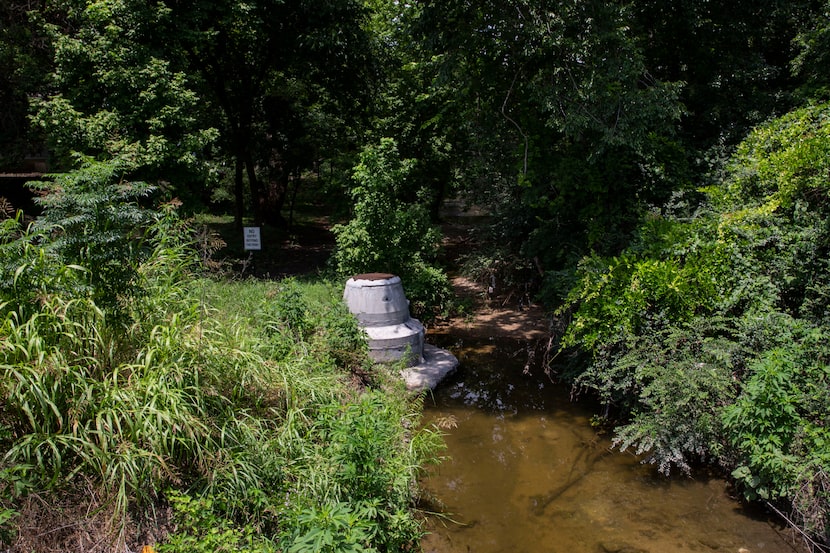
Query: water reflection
[527, 473]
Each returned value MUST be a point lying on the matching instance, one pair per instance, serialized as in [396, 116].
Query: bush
[670, 275]
[94, 220]
[390, 230]
[679, 380]
[198, 529]
[778, 422]
[346, 343]
[708, 334]
[85, 398]
[368, 480]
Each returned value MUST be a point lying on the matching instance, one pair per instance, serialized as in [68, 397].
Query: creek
[526, 472]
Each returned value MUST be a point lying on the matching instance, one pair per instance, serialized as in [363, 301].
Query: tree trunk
[295, 181]
[257, 196]
[239, 195]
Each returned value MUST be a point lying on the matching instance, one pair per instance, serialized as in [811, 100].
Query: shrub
[778, 422]
[669, 275]
[369, 483]
[80, 401]
[709, 332]
[679, 380]
[198, 529]
[185, 401]
[288, 310]
[344, 341]
[390, 230]
[94, 220]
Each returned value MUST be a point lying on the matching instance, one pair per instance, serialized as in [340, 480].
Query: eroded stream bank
[528, 473]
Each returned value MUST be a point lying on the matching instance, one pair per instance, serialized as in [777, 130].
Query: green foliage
[287, 311]
[175, 394]
[813, 41]
[675, 381]
[385, 232]
[777, 424]
[345, 341]
[21, 75]
[94, 220]
[7, 529]
[200, 530]
[388, 233]
[84, 398]
[287, 84]
[569, 133]
[28, 271]
[669, 275]
[92, 239]
[782, 162]
[732, 80]
[118, 92]
[366, 489]
[291, 309]
[361, 436]
[503, 272]
[708, 334]
[334, 528]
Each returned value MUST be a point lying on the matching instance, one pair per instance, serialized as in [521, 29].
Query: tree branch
[515, 124]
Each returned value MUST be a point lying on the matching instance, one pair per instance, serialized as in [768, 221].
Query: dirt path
[493, 317]
[500, 316]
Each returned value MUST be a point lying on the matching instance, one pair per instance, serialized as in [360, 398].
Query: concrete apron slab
[436, 365]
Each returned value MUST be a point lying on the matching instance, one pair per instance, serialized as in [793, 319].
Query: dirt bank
[485, 316]
[496, 317]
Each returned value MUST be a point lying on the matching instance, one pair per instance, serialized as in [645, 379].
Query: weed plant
[191, 414]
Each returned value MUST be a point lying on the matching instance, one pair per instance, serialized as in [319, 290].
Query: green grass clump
[193, 414]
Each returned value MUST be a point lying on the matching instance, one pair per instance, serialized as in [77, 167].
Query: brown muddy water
[527, 473]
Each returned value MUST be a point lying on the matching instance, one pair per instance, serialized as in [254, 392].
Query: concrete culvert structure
[378, 302]
[381, 308]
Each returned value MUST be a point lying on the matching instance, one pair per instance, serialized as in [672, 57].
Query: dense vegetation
[655, 172]
[710, 329]
[144, 402]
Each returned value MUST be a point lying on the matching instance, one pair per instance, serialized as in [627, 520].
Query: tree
[114, 94]
[734, 63]
[388, 234]
[813, 43]
[175, 88]
[21, 57]
[567, 133]
[286, 79]
[413, 107]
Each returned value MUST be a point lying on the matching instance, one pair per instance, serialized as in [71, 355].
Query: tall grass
[240, 405]
[89, 398]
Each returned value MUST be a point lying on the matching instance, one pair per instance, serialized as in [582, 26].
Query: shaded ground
[487, 316]
[306, 248]
[490, 318]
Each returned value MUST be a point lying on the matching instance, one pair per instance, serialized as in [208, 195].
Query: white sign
[252, 239]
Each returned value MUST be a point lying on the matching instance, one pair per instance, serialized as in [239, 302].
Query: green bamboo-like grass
[248, 406]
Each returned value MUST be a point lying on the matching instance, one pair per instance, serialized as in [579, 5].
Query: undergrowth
[185, 413]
